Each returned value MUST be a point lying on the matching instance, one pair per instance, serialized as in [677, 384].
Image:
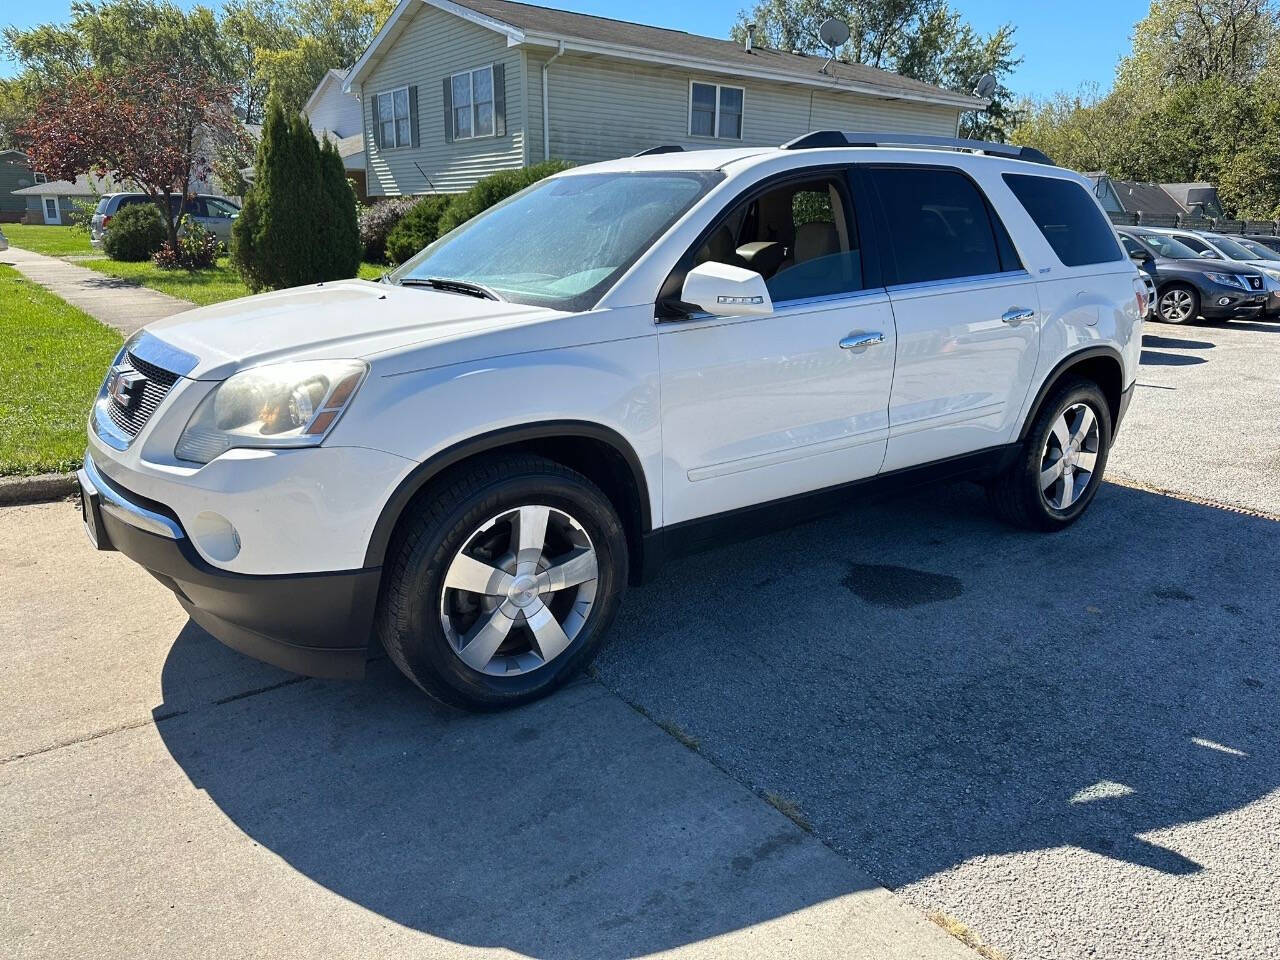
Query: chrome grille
[132, 418]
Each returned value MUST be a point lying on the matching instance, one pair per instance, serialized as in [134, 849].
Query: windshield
[561, 242]
[1229, 248]
[1168, 247]
[1260, 251]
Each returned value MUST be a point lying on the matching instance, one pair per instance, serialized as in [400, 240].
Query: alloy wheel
[519, 590]
[1069, 456]
[1176, 305]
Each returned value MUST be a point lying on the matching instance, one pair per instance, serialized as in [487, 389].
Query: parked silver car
[215, 214]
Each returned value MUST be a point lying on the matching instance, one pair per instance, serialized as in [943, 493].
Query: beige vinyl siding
[430, 47]
[605, 108]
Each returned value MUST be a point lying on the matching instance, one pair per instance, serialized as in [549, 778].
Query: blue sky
[1064, 45]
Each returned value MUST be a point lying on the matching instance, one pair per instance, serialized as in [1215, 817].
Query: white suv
[472, 459]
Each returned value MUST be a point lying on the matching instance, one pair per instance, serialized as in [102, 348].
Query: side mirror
[1208, 255]
[1139, 256]
[726, 291]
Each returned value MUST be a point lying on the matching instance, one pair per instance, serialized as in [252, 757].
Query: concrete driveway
[1067, 743]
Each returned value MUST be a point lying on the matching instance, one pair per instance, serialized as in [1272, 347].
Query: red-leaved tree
[157, 125]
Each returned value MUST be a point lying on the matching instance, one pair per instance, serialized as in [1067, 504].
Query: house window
[715, 111]
[472, 103]
[41, 178]
[393, 119]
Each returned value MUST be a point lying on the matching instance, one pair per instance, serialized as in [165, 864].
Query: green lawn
[52, 361]
[199, 286]
[54, 241]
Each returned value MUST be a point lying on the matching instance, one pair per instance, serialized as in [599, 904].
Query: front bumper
[317, 624]
[1238, 306]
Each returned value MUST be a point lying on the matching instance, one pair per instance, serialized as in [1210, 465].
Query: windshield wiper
[464, 287]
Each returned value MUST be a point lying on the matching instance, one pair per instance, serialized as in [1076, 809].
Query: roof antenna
[834, 34]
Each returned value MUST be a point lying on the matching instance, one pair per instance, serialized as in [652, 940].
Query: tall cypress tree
[341, 228]
[280, 238]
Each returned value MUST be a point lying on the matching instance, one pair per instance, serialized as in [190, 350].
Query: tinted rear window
[1068, 217]
[940, 226]
[102, 205]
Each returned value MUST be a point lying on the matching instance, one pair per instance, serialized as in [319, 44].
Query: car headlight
[1273, 274]
[1227, 280]
[277, 405]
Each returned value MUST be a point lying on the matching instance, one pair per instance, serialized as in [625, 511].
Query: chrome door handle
[856, 341]
[1017, 315]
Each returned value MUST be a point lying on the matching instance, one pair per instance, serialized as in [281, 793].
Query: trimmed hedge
[436, 214]
[417, 228]
[493, 189]
[135, 233]
[376, 223]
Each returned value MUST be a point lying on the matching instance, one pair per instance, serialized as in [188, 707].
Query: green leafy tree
[331, 34]
[924, 39]
[1198, 98]
[248, 28]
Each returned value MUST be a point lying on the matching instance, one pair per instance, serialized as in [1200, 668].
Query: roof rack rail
[837, 138]
[663, 148]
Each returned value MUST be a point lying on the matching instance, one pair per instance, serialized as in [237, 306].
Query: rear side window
[103, 205]
[940, 226]
[1068, 217]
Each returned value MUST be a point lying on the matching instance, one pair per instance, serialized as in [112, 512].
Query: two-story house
[453, 91]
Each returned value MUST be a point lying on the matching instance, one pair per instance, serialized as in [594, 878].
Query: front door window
[51, 210]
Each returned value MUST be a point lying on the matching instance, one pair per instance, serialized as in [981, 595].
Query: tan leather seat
[817, 238]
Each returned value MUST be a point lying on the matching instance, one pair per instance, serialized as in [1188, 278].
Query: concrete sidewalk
[114, 302]
[161, 795]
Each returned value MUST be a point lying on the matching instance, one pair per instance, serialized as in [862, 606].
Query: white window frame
[471, 93]
[40, 177]
[395, 126]
[742, 117]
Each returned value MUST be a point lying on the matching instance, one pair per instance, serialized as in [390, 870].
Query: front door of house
[51, 212]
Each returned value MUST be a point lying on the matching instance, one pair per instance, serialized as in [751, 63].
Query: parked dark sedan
[1190, 286]
[1265, 239]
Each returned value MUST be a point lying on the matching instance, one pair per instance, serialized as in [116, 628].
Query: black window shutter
[377, 121]
[413, 116]
[448, 109]
[499, 100]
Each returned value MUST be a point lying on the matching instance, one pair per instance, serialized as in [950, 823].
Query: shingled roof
[535, 24]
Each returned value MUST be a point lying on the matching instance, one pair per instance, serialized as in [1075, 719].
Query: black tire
[1164, 314]
[438, 524]
[1016, 495]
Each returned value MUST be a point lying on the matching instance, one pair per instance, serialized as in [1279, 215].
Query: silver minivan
[215, 214]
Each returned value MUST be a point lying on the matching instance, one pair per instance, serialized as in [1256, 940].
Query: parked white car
[215, 214]
[624, 362]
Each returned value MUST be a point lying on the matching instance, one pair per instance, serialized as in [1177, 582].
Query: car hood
[344, 319]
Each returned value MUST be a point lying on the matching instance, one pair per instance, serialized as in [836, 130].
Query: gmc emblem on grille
[125, 385]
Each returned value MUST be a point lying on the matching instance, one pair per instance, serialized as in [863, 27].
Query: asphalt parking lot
[1069, 744]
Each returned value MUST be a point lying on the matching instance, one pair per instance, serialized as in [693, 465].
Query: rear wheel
[1059, 468]
[1178, 303]
[503, 582]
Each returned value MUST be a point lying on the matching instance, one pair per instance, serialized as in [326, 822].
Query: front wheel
[1059, 468]
[1178, 304]
[502, 583]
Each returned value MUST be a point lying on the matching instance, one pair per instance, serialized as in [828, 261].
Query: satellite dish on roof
[986, 86]
[833, 33]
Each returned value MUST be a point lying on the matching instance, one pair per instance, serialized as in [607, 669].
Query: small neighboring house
[453, 91]
[15, 173]
[52, 201]
[1156, 200]
[335, 113]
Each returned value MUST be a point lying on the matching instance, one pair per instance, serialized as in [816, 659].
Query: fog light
[215, 536]
[1223, 301]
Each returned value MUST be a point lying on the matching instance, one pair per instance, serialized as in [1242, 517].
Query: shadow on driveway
[926, 685]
